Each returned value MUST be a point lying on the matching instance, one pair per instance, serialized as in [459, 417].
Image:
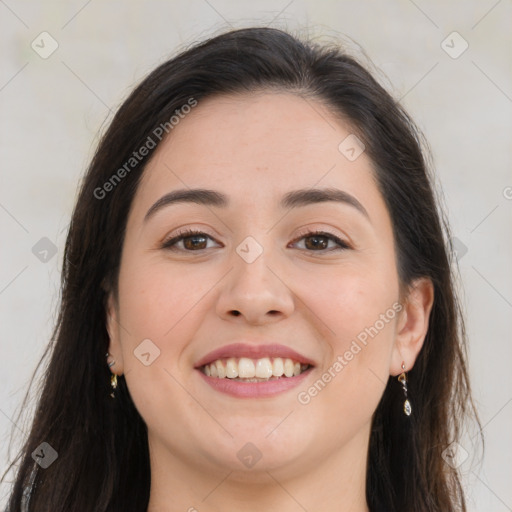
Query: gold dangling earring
[403, 380]
[113, 377]
[113, 383]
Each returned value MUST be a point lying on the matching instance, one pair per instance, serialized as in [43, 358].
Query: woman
[258, 311]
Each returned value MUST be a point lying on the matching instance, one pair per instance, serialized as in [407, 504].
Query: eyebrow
[293, 199]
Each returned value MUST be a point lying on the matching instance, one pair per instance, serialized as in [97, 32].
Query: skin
[255, 148]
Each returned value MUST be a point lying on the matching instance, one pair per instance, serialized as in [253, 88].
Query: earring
[113, 377]
[403, 380]
[113, 383]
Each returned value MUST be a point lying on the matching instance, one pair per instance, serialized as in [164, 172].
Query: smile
[245, 369]
[250, 370]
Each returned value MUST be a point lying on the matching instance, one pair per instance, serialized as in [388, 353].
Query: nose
[256, 293]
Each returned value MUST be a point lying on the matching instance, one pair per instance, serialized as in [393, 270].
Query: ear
[113, 329]
[412, 325]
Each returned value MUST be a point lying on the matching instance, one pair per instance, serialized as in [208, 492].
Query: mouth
[253, 371]
[245, 369]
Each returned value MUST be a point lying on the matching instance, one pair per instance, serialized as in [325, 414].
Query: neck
[334, 481]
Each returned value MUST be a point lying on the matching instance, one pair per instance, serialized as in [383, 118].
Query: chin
[253, 450]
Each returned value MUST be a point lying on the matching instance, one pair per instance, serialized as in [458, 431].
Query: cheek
[350, 383]
[158, 296]
[349, 300]
[356, 312]
[161, 309]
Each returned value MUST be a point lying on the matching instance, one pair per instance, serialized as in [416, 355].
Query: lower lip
[261, 389]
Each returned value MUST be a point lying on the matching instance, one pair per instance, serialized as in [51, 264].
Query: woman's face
[255, 288]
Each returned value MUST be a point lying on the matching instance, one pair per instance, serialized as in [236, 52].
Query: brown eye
[195, 241]
[318, 241]
[192, 241]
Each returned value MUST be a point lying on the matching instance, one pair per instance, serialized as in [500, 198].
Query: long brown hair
[103, 457]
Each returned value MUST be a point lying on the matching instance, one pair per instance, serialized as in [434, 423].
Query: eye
[319, 241]
[191, 239]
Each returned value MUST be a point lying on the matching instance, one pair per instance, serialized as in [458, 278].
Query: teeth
[246, 368]
[231, 368]
[277, 367]
[254, 370]
[264, 368]
[221, 369]
[288, 367]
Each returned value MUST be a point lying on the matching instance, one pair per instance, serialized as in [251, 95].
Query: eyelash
[168, 244]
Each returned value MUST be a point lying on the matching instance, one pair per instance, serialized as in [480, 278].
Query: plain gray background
[54, 107]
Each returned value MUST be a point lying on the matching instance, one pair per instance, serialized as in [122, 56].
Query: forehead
[257, 146]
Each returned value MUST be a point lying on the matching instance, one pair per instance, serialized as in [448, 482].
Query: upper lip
[253, 352]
